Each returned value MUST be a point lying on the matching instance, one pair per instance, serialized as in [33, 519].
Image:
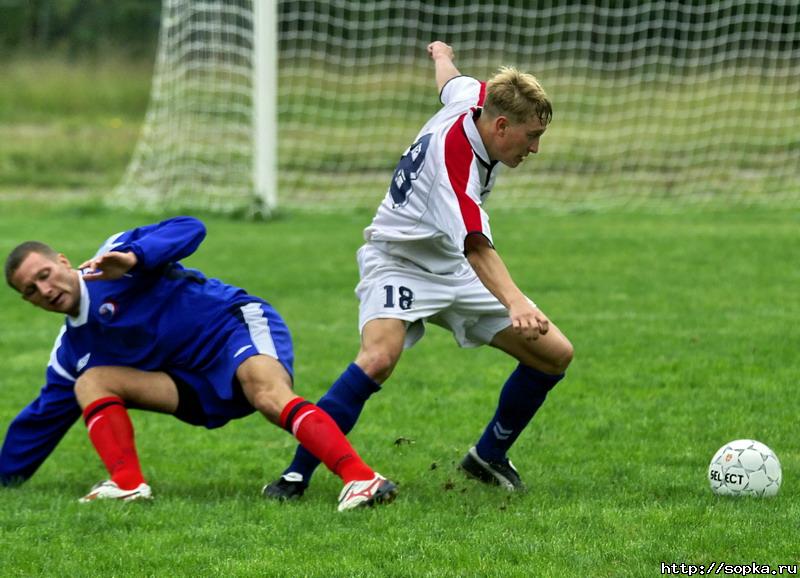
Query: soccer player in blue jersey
[142, 331]
[429, 257]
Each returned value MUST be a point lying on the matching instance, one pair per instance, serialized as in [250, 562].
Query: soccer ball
[745, 468]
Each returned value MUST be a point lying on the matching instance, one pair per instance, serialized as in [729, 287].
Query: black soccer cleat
[288, 487]
[502, 474]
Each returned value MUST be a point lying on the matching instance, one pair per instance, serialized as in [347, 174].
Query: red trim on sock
[90, 409]
[288, 409]
[111, 433]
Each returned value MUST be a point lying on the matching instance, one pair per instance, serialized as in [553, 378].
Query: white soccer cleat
[366, 493]
[109, 490]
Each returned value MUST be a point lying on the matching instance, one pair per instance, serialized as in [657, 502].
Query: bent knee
[269, 398]
[563, 357]
[378, 364]
[99, 377]
[95, 375]
[555, 360]
[82, 389]
[97, 382]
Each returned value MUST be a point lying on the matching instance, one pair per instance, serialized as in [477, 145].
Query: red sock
[319, 434]
[111, 432]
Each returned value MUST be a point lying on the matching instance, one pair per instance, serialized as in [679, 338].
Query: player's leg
[478, 318]
[381, 346]
[551, 353]
[103, 394]
[268, 387]
[150, 390]
[382, 342]
[542, 363]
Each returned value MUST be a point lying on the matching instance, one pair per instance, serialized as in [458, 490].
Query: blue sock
[344, 401]
[523, 394]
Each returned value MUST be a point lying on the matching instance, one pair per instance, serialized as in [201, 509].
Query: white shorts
[394, 288]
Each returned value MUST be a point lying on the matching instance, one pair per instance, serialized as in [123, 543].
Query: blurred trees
[83, 28]
[130, 27]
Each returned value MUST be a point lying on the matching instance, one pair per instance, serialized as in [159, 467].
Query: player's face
[516, 141]
[49, 283]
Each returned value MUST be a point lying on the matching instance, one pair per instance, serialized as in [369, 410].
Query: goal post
[209, 138]
[309, 103]
[265, 112]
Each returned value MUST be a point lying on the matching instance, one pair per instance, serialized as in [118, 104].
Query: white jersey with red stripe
[436, 195]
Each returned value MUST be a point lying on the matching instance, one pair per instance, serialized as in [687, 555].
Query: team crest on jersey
[108, 309]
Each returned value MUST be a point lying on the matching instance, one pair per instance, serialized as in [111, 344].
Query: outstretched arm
[443, 56]
[525, 317]
[149, 247]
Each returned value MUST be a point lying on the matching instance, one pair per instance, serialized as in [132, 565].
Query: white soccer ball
[745, 468]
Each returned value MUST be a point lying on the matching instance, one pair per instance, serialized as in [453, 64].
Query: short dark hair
[21, 252]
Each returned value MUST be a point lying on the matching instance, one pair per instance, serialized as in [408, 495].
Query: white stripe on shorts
[258, 326]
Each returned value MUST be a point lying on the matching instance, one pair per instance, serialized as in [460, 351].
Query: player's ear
[501, 125]
[62, 260]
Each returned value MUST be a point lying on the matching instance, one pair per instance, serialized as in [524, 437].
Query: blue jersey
[160, 316]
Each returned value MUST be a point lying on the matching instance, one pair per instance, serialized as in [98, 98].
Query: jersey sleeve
[36, 431]
[161, 243]
[463, 89]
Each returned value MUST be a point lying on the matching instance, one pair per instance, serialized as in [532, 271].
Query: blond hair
[518, 96]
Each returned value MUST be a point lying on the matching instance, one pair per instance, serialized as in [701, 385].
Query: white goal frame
[261, 103]
[265, 118]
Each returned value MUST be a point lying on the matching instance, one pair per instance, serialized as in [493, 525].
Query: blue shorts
[211, 396]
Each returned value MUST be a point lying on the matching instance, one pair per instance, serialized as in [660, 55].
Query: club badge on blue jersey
[107, 310]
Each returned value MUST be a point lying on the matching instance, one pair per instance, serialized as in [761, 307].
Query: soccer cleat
[109, 490]
[288, 487]
[495, 473]
[367, 493]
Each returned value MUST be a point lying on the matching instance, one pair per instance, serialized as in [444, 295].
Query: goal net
[656, 102]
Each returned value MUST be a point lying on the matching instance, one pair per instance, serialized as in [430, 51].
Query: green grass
[69, 125]
[684, 325]
[685, 332]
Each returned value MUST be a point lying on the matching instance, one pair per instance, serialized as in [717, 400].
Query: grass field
[685, 329]
[69, 126]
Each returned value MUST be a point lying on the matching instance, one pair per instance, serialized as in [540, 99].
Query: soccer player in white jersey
[143, 331]
[429, 257]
